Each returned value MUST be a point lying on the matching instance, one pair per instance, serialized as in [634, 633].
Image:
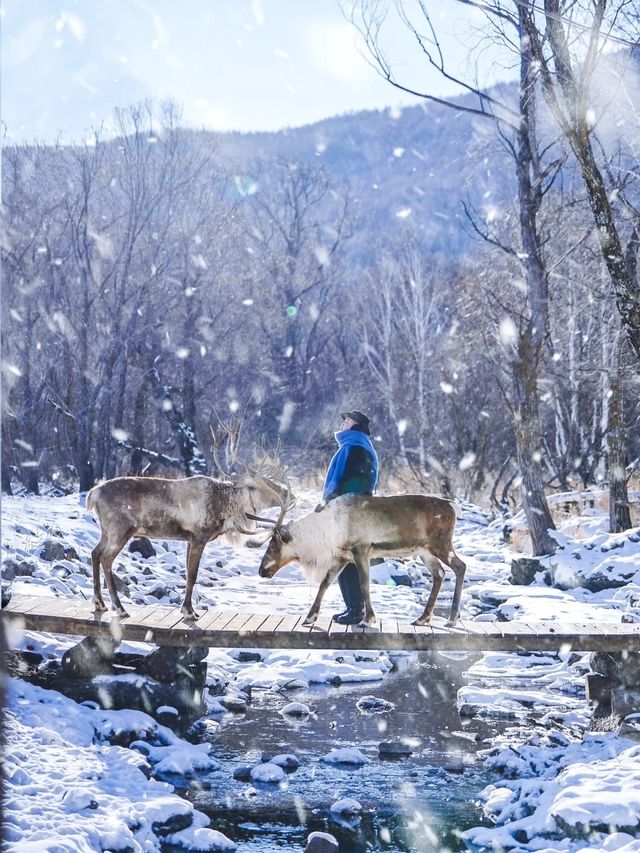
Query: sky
[232, 64]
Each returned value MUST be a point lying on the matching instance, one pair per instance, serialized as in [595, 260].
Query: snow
[268, 772]
[69, 788]
[345, 755]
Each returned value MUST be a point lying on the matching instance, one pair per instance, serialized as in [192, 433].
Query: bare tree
[517, 127]
[567, 55]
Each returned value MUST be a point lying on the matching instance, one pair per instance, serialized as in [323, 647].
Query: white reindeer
[354, 528]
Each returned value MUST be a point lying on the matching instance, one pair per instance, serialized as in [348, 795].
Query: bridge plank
[254, 624]
[271, 623]
[216, 619]
[228, 628]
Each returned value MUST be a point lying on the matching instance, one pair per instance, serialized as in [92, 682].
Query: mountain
[406, 169]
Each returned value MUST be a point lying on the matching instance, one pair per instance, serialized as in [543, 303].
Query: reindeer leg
[96, 554]
[437, 573]
[326, 582]
[195, 547]
[107, 558]
[361, 559]
[459, 569]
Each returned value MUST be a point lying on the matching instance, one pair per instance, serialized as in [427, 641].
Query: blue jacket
[348, 439]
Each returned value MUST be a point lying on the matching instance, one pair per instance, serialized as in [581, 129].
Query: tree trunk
[529, 446]
[619, 512]
[527, 426]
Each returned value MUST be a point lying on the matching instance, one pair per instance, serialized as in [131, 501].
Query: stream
[420, 803]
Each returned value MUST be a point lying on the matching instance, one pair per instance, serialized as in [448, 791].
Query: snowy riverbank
[557, 788]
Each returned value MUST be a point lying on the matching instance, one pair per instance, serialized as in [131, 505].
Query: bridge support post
[614, 688]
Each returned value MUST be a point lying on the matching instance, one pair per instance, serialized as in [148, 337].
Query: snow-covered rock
[345, 755]
[268, 772]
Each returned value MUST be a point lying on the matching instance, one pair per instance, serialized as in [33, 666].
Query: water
[419, 804]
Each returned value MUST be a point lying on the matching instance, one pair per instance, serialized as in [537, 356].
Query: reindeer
[195, 509]
[354, 528]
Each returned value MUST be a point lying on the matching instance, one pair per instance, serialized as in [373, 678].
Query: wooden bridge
[164, 626]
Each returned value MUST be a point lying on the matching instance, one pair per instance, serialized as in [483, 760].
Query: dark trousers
[349, 582]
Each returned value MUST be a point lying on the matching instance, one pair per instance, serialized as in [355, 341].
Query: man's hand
[320, 506]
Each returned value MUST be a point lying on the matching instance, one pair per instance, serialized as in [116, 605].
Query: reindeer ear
[285, 534]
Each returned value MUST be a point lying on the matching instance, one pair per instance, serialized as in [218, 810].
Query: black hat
[359, 417]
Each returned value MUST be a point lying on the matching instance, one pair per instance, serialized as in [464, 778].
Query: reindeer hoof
[371, 622]
[422, 623]
[451, 623]
[189, 615]
[99, 606]
[122, 613]
[309, 622]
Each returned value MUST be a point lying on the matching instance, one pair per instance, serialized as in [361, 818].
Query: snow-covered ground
[71, 786]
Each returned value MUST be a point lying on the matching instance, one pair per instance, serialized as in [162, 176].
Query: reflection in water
[419, 803]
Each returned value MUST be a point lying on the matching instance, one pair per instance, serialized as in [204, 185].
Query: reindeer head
[278, 554]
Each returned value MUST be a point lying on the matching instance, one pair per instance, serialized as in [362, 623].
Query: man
[352, 470]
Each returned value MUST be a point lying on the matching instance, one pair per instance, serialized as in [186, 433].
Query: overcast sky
[232, 64]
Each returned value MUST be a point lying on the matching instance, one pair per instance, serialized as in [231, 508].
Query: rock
[347, 807]
[454, 767]
[159, 591]
[268, 773]
[599, 688]
[402, 580]
[346, 755]
[25, 569]
[287, 761]
[8, 570]
[92, 656]
[61, 571]
[174, 823]
[395, 748]
[295, 709]
[621, 667]
[321, 842]
[166, 663]
[242, 774]
[77, 800]
[52, 550]
[142, 546]
[625, 701]
[295, 684]
[248, 657]
[167, 715]
[122, 586]
[234, 704]
[600, 580]
[524, 570]
[374, 705]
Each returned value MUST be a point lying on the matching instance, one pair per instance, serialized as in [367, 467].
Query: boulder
[142, 546]
[172, 823]
[621, 667]
[394, 748]
[296, 709]
[166, 663]
[524, 570]
[347, 807]
[9, 570]
[321, 842]
[52, 550]
[287, 761]
[92, 656]
[234, 704]
[374, 705]
[268, 773]
[242, 774]
[25, 569]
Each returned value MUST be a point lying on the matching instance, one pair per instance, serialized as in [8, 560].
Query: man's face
[347, 423]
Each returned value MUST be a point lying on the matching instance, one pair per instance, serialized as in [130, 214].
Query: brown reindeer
[354, 528]
[195, 509]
